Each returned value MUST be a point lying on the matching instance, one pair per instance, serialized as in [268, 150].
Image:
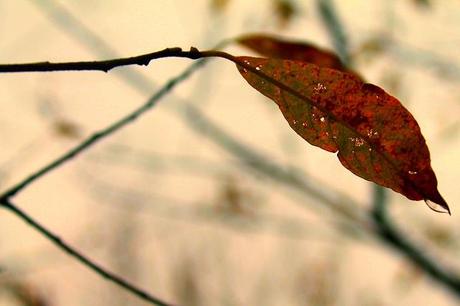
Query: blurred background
[210, 198]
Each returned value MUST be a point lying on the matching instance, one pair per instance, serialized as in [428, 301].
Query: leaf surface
[374, 136]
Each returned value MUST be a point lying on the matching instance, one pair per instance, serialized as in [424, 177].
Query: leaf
[275, 47]
[374, 136]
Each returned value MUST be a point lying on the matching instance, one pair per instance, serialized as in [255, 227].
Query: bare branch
[71, 251]
[112, 128]
[106, 65]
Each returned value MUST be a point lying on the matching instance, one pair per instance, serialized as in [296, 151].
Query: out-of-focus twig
[339, 203]
[335, 29]
[69, 23]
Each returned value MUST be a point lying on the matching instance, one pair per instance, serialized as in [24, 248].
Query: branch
[335, 29]
[385, 230]
[272, 170]
[106, 65]
[144, 295]
[98, 136]
[389, 234]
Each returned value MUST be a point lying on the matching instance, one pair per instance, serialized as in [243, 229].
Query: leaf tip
[438, 204]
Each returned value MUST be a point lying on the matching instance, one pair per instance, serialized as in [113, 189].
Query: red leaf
[275, 47]
[375, 136]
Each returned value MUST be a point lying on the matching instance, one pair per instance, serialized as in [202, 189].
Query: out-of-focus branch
[337, 33]
[71, 25]
[335, 29]
[388, 233]
[339, 203]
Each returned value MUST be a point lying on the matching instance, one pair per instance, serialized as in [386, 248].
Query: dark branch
[5, 202]
[71, 251]
[389, 234]
[106, 65]
[103, 133]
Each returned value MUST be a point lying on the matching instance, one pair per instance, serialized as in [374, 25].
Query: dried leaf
[275, 47]
[375, 136]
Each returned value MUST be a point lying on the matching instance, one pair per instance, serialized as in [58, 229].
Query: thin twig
[71, 251]
[4, 198]
[117, 125]
[106, 65]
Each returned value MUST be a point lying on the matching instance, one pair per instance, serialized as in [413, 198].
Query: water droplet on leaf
[436, 207]
[319, 87]
[359, 142]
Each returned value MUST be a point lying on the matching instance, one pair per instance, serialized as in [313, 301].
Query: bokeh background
[210, 198]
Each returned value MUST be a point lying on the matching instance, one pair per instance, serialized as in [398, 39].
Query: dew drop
[358, 142]
[258, 68]
[370, 149]
[319, 87]
[304, 124]
[436, 207]
[322, 119]
[294, 122]
[412, 172]
[371, 133]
